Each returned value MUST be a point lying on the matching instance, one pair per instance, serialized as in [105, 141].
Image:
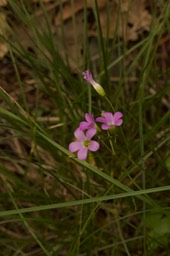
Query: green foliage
[158, 225]
[112, 204]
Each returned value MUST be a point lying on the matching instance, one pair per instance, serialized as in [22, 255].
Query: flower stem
[89, 100]
[111, 144]
[110, 104]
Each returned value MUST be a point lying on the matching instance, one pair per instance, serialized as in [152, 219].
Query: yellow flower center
[87, 143]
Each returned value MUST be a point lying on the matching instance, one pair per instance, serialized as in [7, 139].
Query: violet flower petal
[94, 145]
[118, 115]
[101, 119]
[118, 122]
[89, 118]
[82, 153]
[83, 125]
[89, 123]
[90, 133]
[117, 118]
[74, 146]
[79, 134]
[87, 75]
[105, 127]
[108, 116]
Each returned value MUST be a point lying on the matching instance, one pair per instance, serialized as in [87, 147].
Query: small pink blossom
[89, 78]
[89, 123]
[83, 143]
[110, 120]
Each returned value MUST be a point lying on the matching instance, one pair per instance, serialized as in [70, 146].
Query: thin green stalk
[110, 104]
[85, 201]
[141, 135]
[89, 100]
[18, 78]
[86, 57]
[97, 15]
[121, 234]
[74, 26]
[63, 34]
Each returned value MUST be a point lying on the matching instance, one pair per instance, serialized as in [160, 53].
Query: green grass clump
[114, 203]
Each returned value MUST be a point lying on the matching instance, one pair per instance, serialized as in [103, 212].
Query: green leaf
[159, 226]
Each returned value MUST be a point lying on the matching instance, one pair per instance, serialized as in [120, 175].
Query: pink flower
[83, 143]
[88, 124]
[88, 76]
[109, 120]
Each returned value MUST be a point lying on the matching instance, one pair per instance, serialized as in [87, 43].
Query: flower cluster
[87, 129]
